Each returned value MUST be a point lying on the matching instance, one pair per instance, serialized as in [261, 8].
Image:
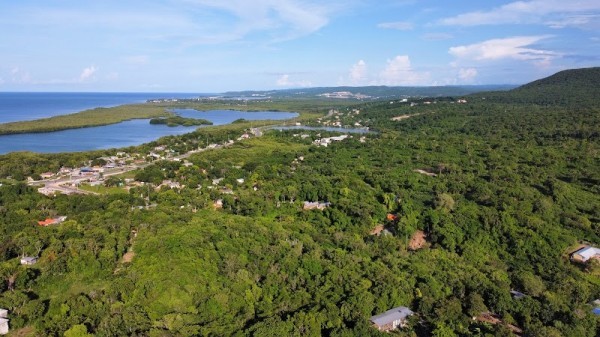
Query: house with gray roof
[28, 260]
[391, 319]
[586, 253]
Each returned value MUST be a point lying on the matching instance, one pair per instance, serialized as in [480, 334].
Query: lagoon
[124, 134]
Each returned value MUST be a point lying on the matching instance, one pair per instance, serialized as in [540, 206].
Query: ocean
[23, 106]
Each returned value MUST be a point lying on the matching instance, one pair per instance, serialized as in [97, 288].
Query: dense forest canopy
[575, 88]
[478, 202]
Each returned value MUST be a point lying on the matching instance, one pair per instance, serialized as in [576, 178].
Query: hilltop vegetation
[503, 191]
[574, 88]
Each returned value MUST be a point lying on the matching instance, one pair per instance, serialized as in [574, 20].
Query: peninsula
[87, 118]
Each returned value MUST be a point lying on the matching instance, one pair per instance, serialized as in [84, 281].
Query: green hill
[575, 87]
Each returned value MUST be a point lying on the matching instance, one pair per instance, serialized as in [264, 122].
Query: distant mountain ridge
[574, 87]
[368, 92]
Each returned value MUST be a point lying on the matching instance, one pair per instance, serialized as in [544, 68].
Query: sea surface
[23, 106]
[128, 133]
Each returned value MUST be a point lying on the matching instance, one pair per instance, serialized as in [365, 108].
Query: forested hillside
[569, 88]
[477, 199]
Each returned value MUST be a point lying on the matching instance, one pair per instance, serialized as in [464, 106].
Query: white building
[391, 319]
[3, 321]
[586, 253]
[28, 260]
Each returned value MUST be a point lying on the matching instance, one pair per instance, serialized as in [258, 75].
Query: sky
[211, 46]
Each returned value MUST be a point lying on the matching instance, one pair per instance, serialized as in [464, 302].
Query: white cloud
[517, 48]
[193, 22]
[358, 73]
[284, 81]
[467, 74]
[87, 73]
[399, 71]
[580, 21]
[535, 11]
[282, 19]
[396, 25]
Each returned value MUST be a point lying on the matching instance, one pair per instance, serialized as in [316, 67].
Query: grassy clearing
[102, 189]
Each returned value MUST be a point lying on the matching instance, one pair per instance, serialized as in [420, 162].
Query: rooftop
[391, 315]
[588, 252]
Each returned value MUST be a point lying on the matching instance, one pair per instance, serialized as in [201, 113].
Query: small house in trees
[47, 175]
[3, 321]
[3, 326]
[517, 295]
[596, 305]
[380, 230]
[28, 260]
[586, 253]
[392, 217]
[377, 230]
[52, 221]
[391, 319]
[315, 205]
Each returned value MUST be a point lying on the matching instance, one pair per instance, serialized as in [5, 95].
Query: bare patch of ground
[418, 241]
[495, 319]
[427, 173]
[23, 332]
[402, 117]
[128, 257]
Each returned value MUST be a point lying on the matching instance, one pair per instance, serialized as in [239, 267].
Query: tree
[78, 330]
[444, 201]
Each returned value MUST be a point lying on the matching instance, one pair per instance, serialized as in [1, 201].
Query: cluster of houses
[339, 119]
[326, 141]
[344, 95]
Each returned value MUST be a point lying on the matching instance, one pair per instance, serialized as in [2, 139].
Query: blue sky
[221, 45]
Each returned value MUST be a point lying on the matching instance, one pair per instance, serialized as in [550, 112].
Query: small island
[179, 121]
